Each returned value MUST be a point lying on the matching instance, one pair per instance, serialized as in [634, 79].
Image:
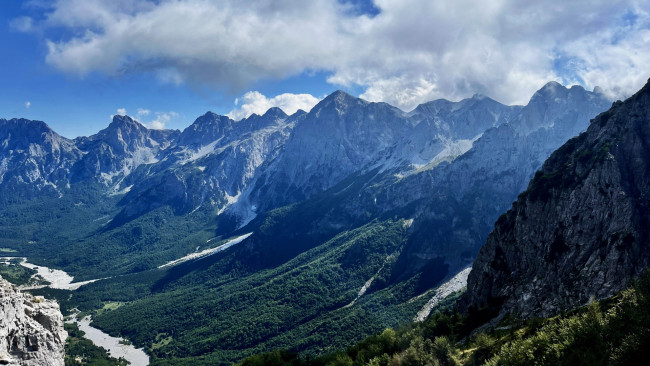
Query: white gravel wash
[136, 356]
[456, 283]
[207, 252]
[57, 278]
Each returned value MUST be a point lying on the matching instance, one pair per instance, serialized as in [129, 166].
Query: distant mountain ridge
[341, 129]
[247, 167]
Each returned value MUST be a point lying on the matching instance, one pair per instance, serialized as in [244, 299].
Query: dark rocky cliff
[581, 229]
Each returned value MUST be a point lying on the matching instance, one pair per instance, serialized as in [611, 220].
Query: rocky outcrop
[581, 229]
[31, 329]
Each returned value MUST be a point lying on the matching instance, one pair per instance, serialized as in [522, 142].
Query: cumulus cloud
[161, 120]
[28, 104]
[410, 52]
[121, 111]
[256, 102]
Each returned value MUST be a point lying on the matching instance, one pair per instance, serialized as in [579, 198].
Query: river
[59, 279]
[62, 280]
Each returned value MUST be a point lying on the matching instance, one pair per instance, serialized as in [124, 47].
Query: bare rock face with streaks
[581, 229]
[31, 329]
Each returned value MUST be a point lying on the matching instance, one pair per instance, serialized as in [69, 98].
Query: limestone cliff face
[31, 329]
[581, 229]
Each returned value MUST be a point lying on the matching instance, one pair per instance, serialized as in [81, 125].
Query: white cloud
[612, 66]
[256, 102]
[141, 112]
[28, 104]
[411, 52]
[161, 120]
[121, 111]
[22, 24]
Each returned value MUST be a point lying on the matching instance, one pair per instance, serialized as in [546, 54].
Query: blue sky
[74, 63]
[82, 105]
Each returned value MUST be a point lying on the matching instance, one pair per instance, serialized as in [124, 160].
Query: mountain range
[563, 278]
[348, 217]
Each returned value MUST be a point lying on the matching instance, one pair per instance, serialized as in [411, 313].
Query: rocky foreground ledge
[31, 329]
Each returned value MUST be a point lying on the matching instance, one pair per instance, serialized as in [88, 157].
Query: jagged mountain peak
[19, 133]
[19, 121]
[340, 95]
[340, 101]
[22, 124]
[598, 90]
[122, 130]
[464, 119]
[433, 106]
[298, 113]
[209, 117]
[556, 92]
[552, 85]
[206, 129]
[255, 121]
[32, 153]
[579, 88]
[549, 91]
[555, 103]
[443, 105]
[478, 99]
[275, 112]
[124, 120]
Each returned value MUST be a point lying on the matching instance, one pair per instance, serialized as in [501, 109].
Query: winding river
[59, 279]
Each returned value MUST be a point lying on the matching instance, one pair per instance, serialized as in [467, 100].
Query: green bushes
[615, 331]
[15, 273]
[617, 336]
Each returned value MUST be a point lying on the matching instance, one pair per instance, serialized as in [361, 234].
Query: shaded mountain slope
[580, 230]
